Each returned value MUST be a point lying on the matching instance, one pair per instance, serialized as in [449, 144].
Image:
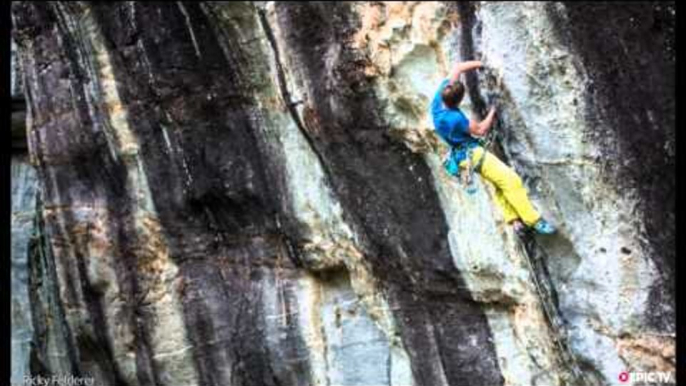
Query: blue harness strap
[457, 155]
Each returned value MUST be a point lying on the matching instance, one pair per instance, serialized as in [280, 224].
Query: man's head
[452, 94]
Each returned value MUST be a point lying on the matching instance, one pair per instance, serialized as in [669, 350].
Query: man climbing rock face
[462, 134]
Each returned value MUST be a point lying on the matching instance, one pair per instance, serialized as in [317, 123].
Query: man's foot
[544, 228]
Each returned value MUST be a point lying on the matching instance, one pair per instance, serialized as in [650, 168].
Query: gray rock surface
[251, 194]
[24, 186]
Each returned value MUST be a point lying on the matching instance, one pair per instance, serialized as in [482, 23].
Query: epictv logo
[657, 377]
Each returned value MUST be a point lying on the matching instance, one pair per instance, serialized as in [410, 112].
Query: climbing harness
[466, 172]
[536, 256]
[456, 156]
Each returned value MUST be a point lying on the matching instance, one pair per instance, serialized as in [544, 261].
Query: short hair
[452, 94]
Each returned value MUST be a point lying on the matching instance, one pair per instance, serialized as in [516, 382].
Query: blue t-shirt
[450, 124]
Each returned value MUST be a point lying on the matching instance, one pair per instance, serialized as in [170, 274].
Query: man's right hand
[461, 67]
[479, 129]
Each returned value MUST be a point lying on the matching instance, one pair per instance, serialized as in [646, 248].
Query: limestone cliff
[235, 193]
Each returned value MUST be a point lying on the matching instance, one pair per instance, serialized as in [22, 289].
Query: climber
[463, 134]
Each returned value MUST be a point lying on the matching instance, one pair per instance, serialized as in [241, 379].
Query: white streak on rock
[182, 8]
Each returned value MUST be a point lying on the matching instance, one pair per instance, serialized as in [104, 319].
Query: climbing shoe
[543, 227]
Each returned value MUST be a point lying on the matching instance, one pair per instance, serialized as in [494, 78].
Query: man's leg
[509, 213]
[507, 180]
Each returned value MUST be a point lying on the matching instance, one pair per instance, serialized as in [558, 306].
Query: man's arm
[461, 67]
[480, 129]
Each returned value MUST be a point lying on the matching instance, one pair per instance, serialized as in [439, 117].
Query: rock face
[251, 194]
[24, 186]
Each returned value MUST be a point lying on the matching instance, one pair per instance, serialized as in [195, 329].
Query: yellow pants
[511, 195]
